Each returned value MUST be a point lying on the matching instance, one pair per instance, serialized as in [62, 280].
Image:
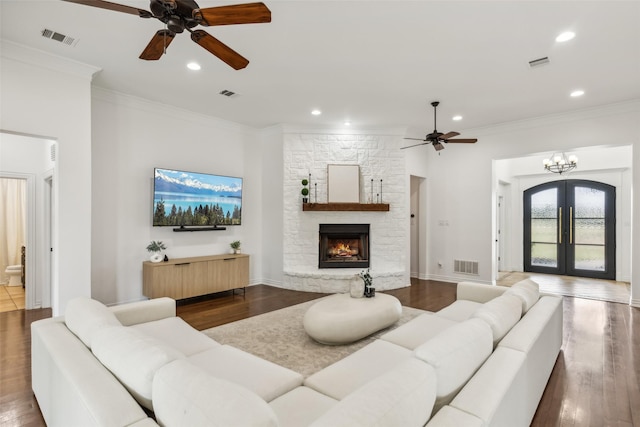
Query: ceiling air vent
[228, 93]
[53, 35]
[538, 62]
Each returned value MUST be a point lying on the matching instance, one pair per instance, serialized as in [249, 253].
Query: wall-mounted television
[186, 199]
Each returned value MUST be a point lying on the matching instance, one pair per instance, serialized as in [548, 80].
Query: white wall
[463, 186]
[131, 136]
[30, 156]
[50, 96]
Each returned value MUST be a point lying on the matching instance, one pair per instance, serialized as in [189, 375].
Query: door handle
[571, 225]
[560, 228]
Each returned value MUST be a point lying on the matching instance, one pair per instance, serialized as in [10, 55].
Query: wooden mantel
[353, 207]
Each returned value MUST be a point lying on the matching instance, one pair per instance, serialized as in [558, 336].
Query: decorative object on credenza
[369, 291]
[380, 201]
[155, 247]
[315, 197]
[356, 287]
[166, 258]
[560, 163]
[235, 246]
[305, 191]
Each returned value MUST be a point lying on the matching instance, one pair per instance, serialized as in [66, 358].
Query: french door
[569, 229]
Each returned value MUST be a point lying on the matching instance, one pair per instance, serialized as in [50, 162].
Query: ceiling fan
[437, 138]
[181, 15]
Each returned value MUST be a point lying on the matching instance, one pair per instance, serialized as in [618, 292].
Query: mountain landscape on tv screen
[186, 198]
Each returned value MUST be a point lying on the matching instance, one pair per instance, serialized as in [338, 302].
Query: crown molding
[626, 107]
[38, 58]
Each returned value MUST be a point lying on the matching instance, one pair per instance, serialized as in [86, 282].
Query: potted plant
[305, 191]
[155, 247]
[235, 245]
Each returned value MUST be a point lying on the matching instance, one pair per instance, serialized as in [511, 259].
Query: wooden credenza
[190, 277]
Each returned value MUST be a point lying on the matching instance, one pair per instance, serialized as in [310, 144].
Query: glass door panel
[569, 228]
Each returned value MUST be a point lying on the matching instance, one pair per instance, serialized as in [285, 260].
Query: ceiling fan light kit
[437, 138]
[559, 163]
[181, 15]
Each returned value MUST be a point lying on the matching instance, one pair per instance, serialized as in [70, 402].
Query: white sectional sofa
[482, 361]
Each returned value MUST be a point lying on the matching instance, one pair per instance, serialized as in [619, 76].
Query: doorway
[569, 229]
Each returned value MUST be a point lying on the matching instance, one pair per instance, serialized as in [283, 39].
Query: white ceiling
[376, 63]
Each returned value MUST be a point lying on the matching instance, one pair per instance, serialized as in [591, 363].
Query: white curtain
[13, 217]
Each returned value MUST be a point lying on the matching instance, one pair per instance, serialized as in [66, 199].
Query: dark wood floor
[594, 382]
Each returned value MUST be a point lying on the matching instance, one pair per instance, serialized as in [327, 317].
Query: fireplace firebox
[344, 246]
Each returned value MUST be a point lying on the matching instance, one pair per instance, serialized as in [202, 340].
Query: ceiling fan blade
[113, 6]
[158, 45]
[249, 13]
[417, 139]
[463, 141]
[219, 49]
[415, 145]
[449, 135]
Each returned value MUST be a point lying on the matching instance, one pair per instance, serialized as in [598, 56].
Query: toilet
[15, 275]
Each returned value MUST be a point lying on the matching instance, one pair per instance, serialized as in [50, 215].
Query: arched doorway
[569, 229]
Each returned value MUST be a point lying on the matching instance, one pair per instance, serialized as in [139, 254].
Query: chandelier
[560, 163]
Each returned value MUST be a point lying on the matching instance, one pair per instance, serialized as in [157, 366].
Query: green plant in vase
[305, 191]
[155, 247]
[235, 245]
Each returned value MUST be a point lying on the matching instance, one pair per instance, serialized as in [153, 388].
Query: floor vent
[53, 35]
[465, 267]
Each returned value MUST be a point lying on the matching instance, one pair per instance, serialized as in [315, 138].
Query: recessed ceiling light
[577, 93]
[347, 123]
[193, 66]
[566, 36]
[316, 112]
[456, 118]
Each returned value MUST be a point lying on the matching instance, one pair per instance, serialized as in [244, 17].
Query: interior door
[569, 229]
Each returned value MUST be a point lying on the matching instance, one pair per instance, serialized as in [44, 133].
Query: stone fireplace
[379, 158]
[343, 246]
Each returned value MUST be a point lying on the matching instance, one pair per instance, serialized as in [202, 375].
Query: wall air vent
[53, 35]
[465, 267]
[228, 93]
[538, 62]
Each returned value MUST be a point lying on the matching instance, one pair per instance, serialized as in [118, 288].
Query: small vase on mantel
[356, 287]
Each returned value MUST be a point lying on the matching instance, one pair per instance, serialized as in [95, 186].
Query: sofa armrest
[478, 292]
[144, 311]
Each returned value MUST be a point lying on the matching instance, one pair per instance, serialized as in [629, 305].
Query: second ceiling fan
[437, 138]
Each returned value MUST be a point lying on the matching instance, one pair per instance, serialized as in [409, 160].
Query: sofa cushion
[418, 330]
[177, 334]
[449, 416]
[301, 406]
[347, 375]
[403, 396]
[185, 395]
[133, 358]
[501, 314]
[459, 310]
[456, 354]
[264, 378]
[528, 291]
[85, 316]
[498, 393]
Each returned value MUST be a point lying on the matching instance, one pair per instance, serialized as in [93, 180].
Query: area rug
[279, 337]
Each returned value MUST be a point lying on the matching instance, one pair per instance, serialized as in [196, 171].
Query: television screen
[183, 198]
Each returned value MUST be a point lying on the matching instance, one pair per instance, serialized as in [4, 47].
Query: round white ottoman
[340, 319]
